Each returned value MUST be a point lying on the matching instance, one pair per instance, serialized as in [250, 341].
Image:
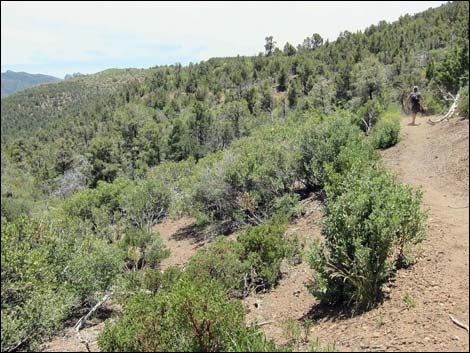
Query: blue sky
[57, 38]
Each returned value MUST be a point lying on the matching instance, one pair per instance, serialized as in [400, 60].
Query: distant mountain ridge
[13, 82]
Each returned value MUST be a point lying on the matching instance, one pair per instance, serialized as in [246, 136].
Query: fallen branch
[458, 323]
[451, 111]
[83, 319]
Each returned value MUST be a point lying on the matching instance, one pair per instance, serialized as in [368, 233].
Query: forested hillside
[62, 103]
[17, 81]
[91, 164]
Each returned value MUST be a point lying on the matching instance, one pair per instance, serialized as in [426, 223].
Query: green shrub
[211, 194]
[93, 267]
[113, 207]
[453, 69]
[221, 261]
[261, 172]
[202, 219]
[177, 177]
[100, 207]
[264, 248]
[147, 280]
[321, 144]
[353, 160]
[146, 203]
[36, 318]
[463, 105]
[243, 185]
[366, 228]
[81, 205]
[13, 208]
[287, 205]
[435, 104]
[155, 251]
[142, 248]
[409, 301]
[385, 134]
[368, 115]
[155, 280]
[191, 316]
[250, 263]
[20, 194]
[252, 339]
[46, 271]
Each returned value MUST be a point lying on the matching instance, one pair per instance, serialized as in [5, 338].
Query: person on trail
[417, 103]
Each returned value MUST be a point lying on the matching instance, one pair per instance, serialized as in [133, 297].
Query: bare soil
[180, 238]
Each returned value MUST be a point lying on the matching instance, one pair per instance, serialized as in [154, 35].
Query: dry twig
[83, 319]
[458, 323]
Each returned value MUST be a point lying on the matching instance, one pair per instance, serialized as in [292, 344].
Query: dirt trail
[436, 159]
[179, 237]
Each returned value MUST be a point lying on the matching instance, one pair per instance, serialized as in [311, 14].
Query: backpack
[415, 98]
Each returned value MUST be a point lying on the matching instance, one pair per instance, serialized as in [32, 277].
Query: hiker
[417, 103]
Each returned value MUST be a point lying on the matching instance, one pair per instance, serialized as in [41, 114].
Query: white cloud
[44, 32]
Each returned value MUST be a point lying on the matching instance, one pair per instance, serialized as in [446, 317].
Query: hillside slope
[434, 158]
[48, 106]
[232, 141]
[13, 82]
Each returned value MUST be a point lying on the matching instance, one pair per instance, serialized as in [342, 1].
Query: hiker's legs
[413, 118]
